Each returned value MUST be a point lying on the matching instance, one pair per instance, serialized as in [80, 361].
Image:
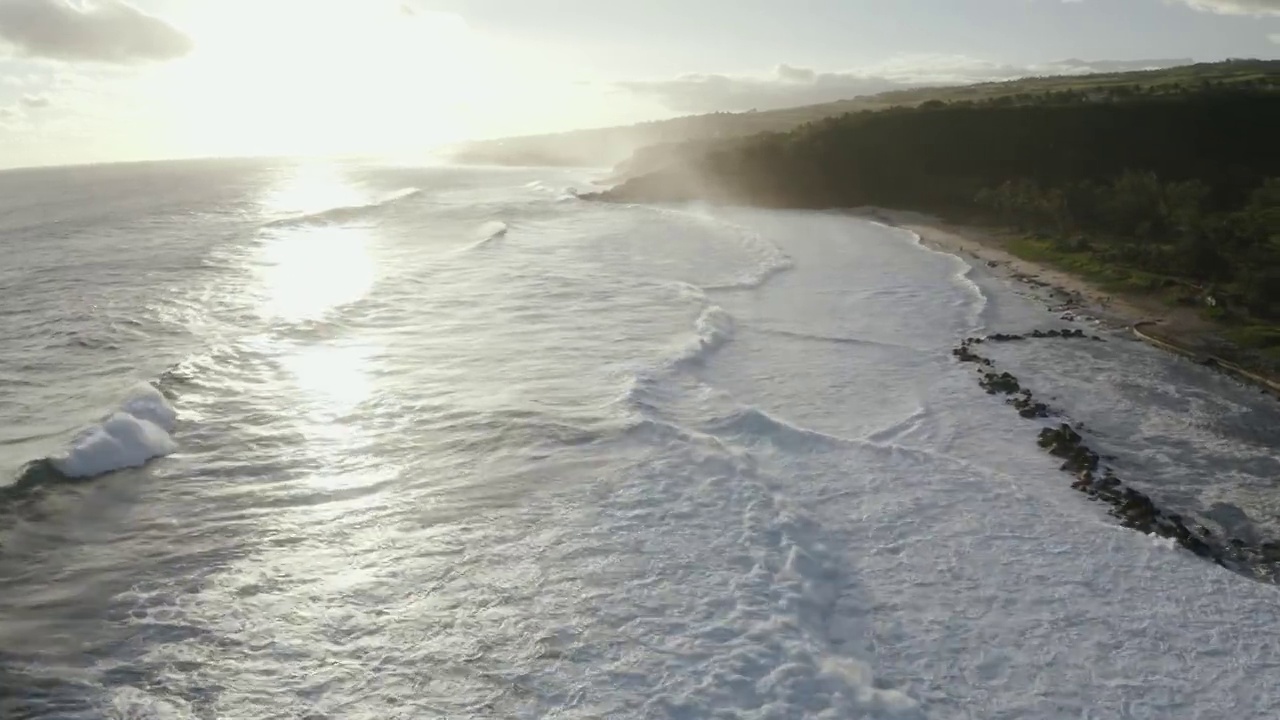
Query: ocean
[320, 439]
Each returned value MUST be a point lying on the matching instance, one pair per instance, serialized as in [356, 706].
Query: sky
[109, 80]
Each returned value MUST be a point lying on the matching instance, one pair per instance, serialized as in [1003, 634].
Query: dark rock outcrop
[1132, 508]
[1000, 383]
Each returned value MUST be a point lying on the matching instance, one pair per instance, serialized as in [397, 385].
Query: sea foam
[714, 328]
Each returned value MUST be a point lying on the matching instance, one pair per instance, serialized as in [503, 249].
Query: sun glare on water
[311, 271]
[309, 267]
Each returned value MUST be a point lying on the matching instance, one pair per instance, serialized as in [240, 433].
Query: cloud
[1274, 37]
[106, 31]
[1236, 7]
[796, 74]
[34, 101]
[787, 87]
[790, 86]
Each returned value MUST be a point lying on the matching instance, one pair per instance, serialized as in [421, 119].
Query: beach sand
[1182, 325]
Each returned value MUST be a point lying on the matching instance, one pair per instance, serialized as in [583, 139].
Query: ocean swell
[345, 213]
[490, 232]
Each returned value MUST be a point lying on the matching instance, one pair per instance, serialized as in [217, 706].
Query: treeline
[1117, 92]
[1177, 182]
[1166, 228]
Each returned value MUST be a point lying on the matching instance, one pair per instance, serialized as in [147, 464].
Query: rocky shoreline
[1075, 297]
[1093, 477]
[1179, 330]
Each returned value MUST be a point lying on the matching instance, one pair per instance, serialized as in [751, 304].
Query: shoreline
[1177, 330]
[1064, 291]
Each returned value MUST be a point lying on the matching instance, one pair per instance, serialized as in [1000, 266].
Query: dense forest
[1178, 185]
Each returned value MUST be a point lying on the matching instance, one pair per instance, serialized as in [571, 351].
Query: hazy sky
[95, 80]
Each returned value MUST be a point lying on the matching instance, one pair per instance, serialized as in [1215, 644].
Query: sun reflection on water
[310, 265]
[311, 186]
[332, 379]
[332, 383]
[308, 270]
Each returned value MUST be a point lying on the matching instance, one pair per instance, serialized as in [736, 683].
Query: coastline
[1061, 289]
[1179, 330]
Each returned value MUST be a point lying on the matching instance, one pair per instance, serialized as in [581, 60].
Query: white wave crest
[756, 424]
[134, 434]
[489, 232]
[714, 328]
[345, 213]
[963, 276]
[769, 260]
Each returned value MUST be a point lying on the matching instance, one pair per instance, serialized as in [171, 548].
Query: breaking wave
[489, 232]
[963, 276]
[345, 213]
[770, 261]
[752, 423]
[712, 330]
[132, 435]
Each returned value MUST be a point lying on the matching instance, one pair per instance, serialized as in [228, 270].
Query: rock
[1003, 383]
[1082, 458]
[1028, 408]
[1137, 511]
[1198, 546]
[964, 354]
[1060, 442]
[1271, 551]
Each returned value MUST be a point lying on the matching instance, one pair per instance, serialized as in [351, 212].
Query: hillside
[609, 146]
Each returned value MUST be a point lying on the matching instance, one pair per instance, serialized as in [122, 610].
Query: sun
[341, 76]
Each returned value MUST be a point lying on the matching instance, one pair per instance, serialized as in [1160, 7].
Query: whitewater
[335, 440]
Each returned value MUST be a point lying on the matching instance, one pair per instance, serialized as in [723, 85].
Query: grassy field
[1257, 343]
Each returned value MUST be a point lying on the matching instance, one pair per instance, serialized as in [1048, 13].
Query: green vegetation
[1145, 234]
[1263, 341]
[1089, 266]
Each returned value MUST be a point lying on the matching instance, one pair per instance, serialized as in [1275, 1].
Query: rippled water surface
[317, 440]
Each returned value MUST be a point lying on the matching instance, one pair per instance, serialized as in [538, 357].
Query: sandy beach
[1180, 330]
[1062, 290]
